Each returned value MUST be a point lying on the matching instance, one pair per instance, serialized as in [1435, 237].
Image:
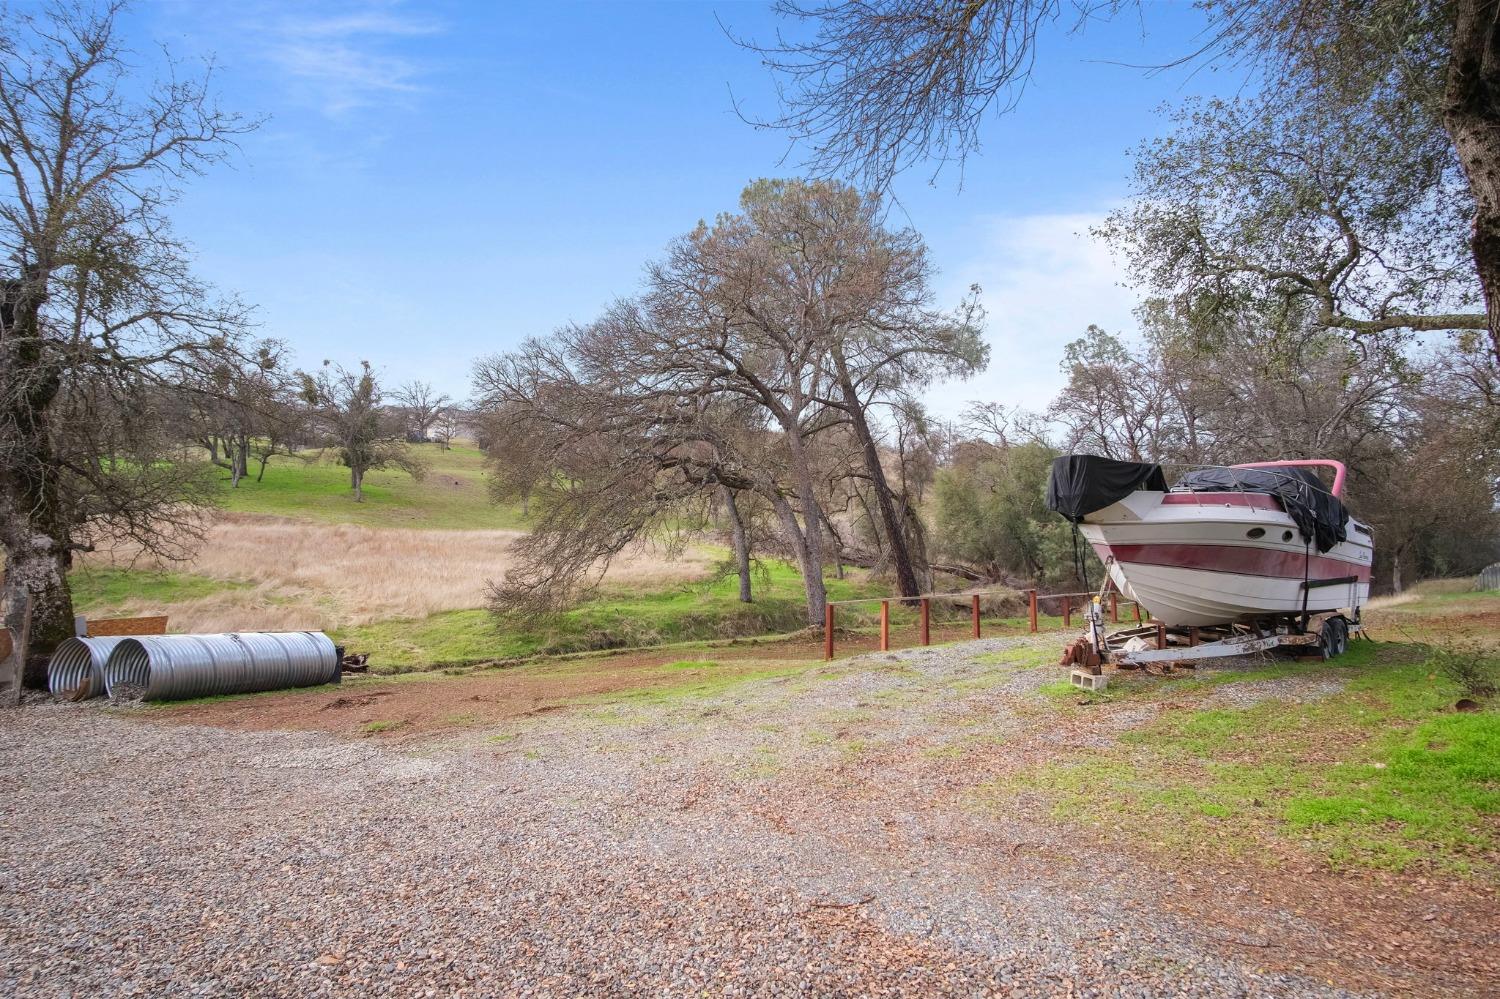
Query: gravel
[719, 845]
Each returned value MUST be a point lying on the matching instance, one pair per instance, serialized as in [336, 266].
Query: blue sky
[436, 181]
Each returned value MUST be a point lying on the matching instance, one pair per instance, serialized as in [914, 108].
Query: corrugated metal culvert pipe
[76, 669]
[171, 667]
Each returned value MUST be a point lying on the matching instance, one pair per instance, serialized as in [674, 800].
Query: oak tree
[99, 309]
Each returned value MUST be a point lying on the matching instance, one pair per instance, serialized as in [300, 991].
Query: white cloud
[1044, 280]
[345, 61]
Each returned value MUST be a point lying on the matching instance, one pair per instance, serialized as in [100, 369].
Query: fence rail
[924, 612]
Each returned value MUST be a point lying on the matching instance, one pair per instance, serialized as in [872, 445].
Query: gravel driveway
[725, 845]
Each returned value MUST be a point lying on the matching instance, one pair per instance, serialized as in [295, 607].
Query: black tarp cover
[1318, 513]
[1083, 483]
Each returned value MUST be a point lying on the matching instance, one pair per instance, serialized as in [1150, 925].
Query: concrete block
[1088, 681]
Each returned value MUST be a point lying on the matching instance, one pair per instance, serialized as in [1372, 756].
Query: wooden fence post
[1031, 609]
[827, 632]
[885, 626]
[1161, 635]
[1135, 607]
[976, 615]
[926, 612]
[1067, 612]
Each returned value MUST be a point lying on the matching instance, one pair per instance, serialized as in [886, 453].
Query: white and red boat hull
[1198, 559]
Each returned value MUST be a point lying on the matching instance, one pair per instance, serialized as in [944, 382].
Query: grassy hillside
[452, 495]
[616, 618]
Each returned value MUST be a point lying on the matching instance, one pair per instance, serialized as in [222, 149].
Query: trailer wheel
[1333, 638]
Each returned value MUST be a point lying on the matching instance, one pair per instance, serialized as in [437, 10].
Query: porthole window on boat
[1286, 535]
[1256, 532]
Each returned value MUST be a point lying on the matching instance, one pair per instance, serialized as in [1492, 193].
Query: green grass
[1383, 774]
[700, 680]
[100, 589]
[376, 727]
[614, 619]
[453, 494]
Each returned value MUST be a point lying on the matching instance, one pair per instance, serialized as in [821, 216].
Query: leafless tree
[519, 466]
[881, 85]
[347, 411]
[759, 345]
[1112, 405]
[99, 305]
[877, 86]
[447, 425]
[608, 448]
[423, 405]
[808, 274]
[244, 407]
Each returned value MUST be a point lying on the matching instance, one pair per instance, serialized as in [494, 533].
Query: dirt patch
[437, 703]
[430, 703]
[357, 700]
[1462, 618]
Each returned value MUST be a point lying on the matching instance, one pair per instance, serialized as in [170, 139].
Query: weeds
[1383, 775]
[1474, 672]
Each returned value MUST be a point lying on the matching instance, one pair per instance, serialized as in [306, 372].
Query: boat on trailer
[1253, 554]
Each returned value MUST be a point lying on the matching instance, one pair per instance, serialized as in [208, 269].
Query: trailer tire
[1333, 638]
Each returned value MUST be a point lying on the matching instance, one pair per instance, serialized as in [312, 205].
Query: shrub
[1476, 674]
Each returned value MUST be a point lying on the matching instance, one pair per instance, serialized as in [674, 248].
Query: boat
[1223, 545]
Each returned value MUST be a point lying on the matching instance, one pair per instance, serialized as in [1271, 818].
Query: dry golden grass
[1426, 588]
[1393, 600]
[308, 576]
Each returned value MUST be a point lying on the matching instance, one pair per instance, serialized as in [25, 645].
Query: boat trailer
[1154, 644]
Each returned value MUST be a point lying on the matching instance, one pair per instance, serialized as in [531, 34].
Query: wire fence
[1066, 604]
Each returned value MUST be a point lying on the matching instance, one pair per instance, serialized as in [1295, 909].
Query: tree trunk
[264, 460]
[906, 575]
[838, 544]
[1471, 111]
[812, 570]
[41, 576]
[812, 535]
[1396, 571]
[916, 536]
[741, 542]
[33, 528]
[36, 574]
[357, 480]
[242, 458]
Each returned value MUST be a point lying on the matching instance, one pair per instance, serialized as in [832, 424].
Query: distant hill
[452, 495]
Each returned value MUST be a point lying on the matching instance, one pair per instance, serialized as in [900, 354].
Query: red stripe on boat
[1244, 560]
[1262, 501]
